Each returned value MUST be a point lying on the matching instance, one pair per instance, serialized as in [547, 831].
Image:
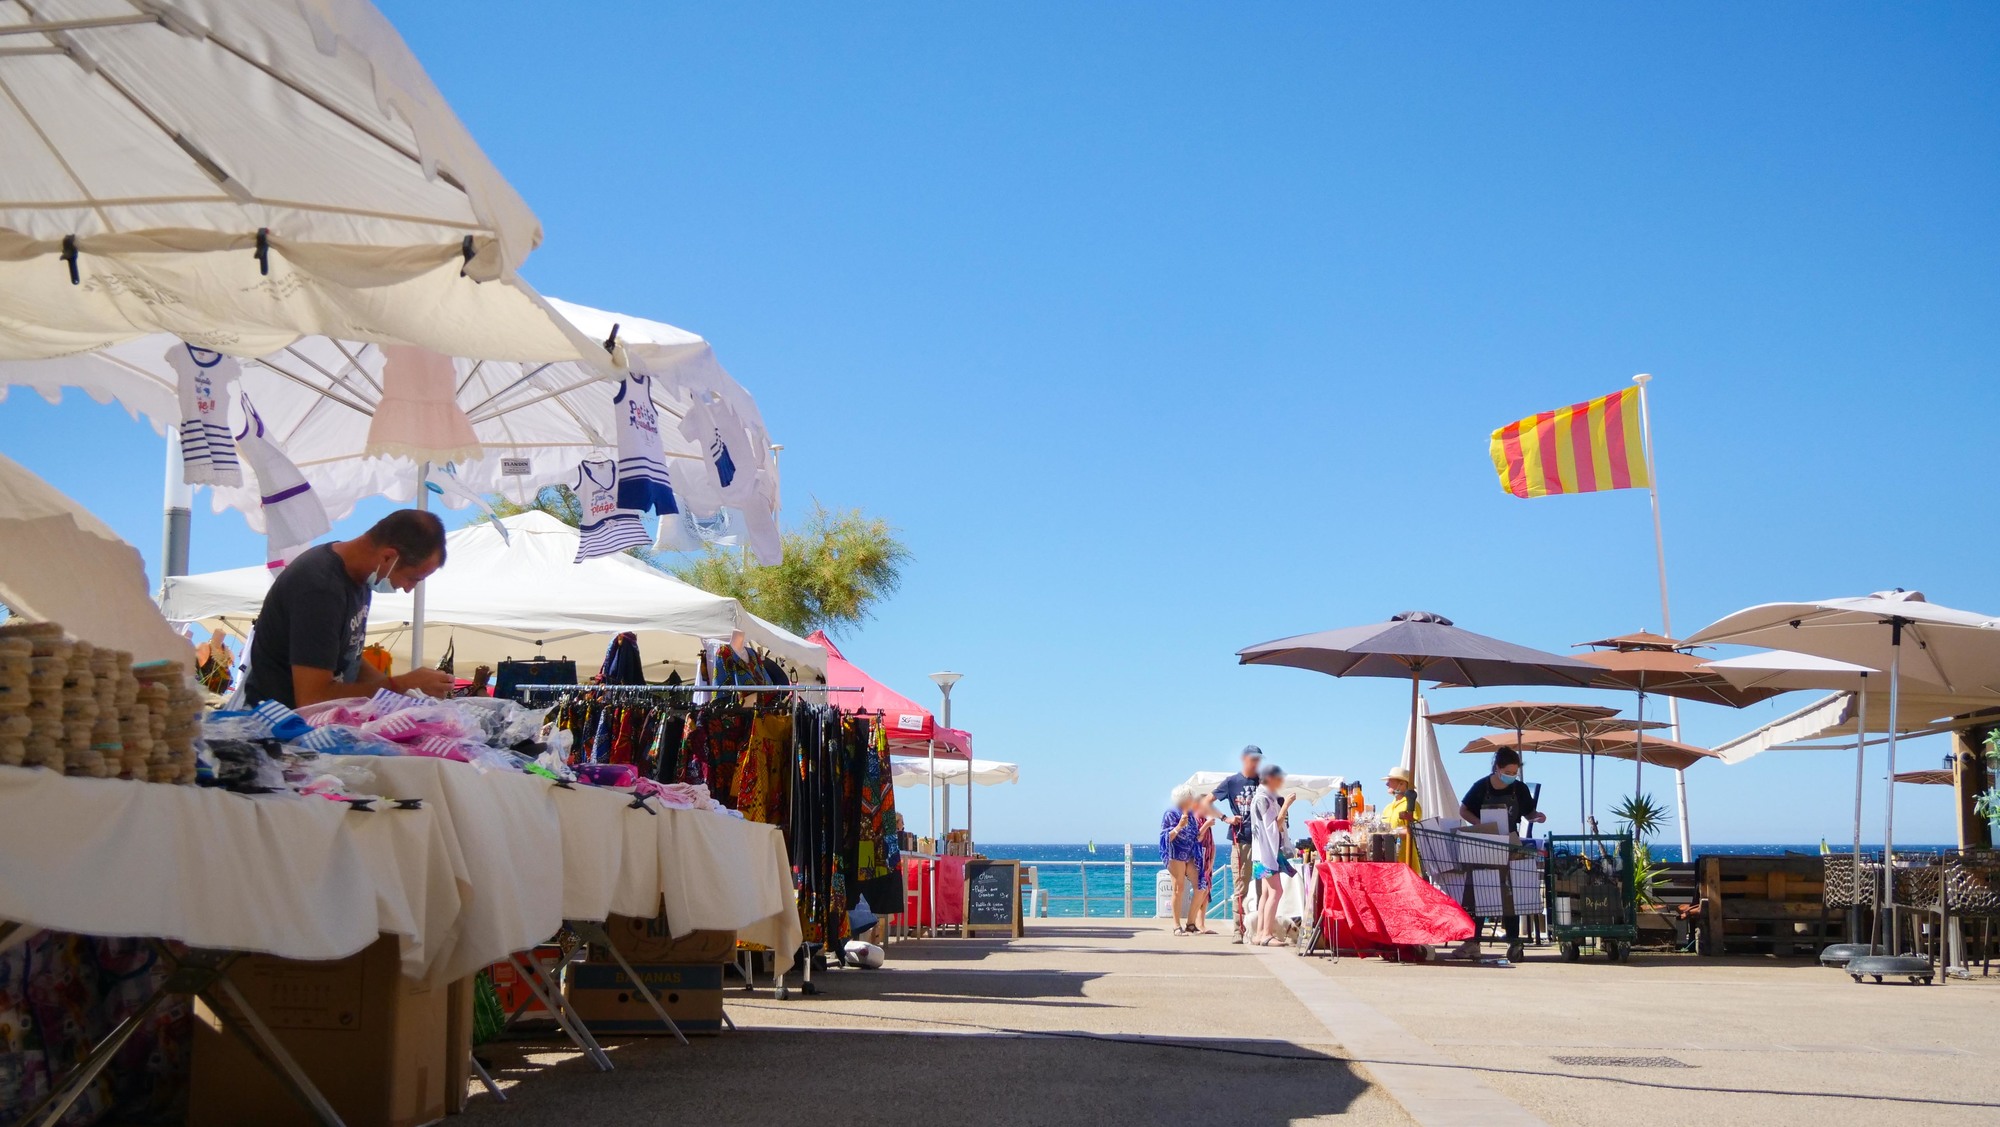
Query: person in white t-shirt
[1268, 866]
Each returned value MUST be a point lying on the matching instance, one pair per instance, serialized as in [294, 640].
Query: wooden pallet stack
[1766, 906]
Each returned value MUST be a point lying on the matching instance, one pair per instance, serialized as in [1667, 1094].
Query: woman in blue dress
[1180, 852]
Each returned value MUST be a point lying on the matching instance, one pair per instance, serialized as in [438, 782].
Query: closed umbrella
[1956, 649]
[1653, 663]
[1419, 645]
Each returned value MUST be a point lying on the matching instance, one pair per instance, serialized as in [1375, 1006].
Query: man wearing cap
[1403, 811]
[1236, 791]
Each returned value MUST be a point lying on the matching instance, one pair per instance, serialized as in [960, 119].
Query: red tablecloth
[1372, 905]
[1323, 828]
[950, 889]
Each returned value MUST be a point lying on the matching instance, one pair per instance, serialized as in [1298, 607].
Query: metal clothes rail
[665, 689]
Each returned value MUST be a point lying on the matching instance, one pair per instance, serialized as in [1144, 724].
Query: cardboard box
[513, 990]
[458, 1001]
[604, 998]
[650, 942]
[372, 1042]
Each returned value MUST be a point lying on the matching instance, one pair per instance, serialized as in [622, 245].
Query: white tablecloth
[272, 873]
[503, 846]
[712, 872]
[720, 873]
[492, 864]
[418, 896]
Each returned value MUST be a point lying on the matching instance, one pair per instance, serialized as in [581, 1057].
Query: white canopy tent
[58, 563]
[241, 172]
[952, 772]
[497, 599]
[1309, 788]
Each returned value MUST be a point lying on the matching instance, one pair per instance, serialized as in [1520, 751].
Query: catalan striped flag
[1582, 448]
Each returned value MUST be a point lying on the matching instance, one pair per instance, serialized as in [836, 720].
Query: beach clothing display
[208, 457]
[292, 512]
[608, 527]
[821, 776]
[643, 480]
[725, 445]
[419, 417]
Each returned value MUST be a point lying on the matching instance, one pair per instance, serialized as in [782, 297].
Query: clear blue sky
[1165, 329]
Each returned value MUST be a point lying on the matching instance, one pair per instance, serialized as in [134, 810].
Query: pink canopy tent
[912, 727]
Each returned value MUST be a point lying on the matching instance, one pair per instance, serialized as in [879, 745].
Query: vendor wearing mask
[307, 644]
[1502, 788]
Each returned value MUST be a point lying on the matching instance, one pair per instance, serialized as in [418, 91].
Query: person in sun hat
[1403, 811]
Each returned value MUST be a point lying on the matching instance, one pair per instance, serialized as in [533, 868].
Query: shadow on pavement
[833, 1078]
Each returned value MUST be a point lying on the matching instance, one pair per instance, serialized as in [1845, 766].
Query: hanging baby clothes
[608, 527]
[725, 444]
[419, 417]
[643, 481]
[207, 455]
[292, 512]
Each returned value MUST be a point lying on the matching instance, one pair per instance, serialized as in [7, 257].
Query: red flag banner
[1582, 448]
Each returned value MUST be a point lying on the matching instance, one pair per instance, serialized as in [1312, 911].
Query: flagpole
[1666, 614]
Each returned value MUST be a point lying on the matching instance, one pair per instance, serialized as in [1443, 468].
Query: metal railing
[1128, 885]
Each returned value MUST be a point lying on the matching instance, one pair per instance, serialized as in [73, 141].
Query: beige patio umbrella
[1654, 663]
[1521, 716]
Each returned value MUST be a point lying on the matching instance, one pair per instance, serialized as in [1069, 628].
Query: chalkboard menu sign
[992, 896]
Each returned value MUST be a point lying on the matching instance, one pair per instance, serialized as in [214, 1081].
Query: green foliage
[556, 500]
[1987, 804]
[1993, 745]
[837, 566]
[1640, 813]
[1646, 874]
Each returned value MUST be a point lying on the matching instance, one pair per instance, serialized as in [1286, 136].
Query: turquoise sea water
[1064, 881]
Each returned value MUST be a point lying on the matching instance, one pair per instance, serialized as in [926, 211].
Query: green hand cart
[1592, 898]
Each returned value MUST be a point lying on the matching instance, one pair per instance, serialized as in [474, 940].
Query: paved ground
[1765, 1041]
[1105, 1024]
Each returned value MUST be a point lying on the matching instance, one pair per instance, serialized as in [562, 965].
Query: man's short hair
[415, 534]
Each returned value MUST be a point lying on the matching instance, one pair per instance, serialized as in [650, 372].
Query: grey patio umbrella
[1421, 646]
[1956, 649]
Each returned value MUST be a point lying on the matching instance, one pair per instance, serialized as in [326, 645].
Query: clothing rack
[690, 688]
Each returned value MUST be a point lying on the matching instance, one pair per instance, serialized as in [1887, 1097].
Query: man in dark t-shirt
[1236, 791]
[307, 644]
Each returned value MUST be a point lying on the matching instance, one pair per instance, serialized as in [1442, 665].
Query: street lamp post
[944, 681]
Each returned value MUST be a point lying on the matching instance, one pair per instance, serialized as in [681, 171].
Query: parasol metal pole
[178, 519]
[417, 597]
[1860, 777]
[1888, 906]
[1666, 613]
[1582, 794]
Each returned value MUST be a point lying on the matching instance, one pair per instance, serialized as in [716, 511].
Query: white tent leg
[417, 597]
[1681, 793]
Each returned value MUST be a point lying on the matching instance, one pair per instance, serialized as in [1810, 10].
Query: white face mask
[379, 581]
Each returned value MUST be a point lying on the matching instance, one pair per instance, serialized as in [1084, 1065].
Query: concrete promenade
[1109, 1022]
